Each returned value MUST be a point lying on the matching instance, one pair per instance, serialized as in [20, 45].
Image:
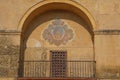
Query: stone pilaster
[9, 54]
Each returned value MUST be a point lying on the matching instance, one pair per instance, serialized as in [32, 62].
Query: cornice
[9, 32]
[107, 32]
[96, 32]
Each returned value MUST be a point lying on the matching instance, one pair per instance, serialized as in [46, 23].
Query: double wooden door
[58, 64]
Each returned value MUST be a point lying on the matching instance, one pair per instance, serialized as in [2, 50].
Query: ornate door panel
[58, 64]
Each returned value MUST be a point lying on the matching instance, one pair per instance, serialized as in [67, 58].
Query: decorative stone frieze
[4, 71]
[9, 55]
[7, 48]
[4, 65]
[4, 60]
[14, 65]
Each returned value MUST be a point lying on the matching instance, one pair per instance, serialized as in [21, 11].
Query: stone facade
[101, 43]
[9, 56]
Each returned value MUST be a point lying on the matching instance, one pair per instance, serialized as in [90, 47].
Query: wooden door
[58, 64]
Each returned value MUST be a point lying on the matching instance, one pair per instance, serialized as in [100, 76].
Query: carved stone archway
[47, 5]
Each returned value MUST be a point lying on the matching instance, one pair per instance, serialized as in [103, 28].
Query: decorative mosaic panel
[58, 33]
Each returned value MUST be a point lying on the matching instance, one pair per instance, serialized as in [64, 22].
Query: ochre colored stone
[93, 28]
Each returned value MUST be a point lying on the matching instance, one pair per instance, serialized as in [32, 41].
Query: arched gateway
[57, 42]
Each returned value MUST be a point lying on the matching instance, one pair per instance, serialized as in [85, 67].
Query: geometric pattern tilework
[58, 33]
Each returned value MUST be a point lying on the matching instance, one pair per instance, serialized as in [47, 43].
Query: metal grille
[58, 64]
[75, 69]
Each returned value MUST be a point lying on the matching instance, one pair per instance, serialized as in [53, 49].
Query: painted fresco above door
[58, 33]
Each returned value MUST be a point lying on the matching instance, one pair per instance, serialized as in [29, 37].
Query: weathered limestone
[106, 40]
[9, 56]
[107, 56]
[8, 79]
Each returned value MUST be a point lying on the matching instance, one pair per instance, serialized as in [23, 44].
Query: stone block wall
[9, 57]
[107, 55]
[107, 45]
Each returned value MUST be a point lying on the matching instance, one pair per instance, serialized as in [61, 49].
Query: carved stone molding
[3, 71]
[6, 46]
[9, 55]
[9, 65]
[13, 70]
[107, 32]
[9, 32]
[4, 60]
[4, 65]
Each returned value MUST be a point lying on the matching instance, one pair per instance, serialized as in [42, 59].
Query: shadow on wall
[52, 15]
